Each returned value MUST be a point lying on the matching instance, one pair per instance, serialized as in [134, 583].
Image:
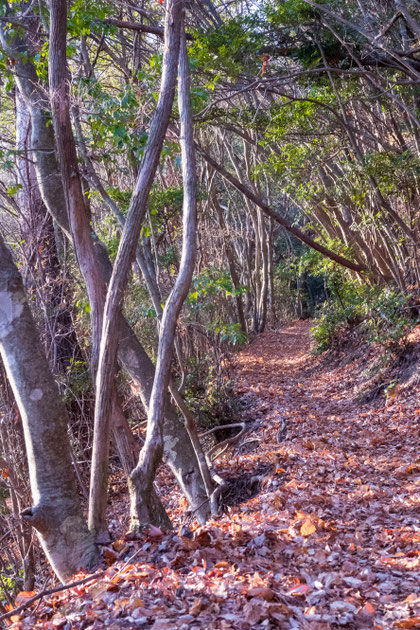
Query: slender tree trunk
[142, 477]
[119, 278]
[271, 293]
[262, 306]
[178, 450]
[60, 102]
[82, 238]
[56, 513]
[230, 255]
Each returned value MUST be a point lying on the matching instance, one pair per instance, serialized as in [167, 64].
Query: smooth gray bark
[56, 513]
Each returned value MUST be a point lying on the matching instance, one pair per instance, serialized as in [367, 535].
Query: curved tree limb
[249, 194]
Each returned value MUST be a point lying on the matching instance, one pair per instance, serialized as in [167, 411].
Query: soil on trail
[351, 477]
[321, 531]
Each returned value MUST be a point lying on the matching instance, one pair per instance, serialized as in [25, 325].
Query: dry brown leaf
[23, 597]
[111, 556]
[202, 537]
[412, 622]
[196, 607]
[119, 545]
[368, 609]
[307, 528]
[252, 612]
[260, 591]
[222, 565]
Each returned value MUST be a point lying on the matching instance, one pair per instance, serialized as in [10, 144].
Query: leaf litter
[330, 538]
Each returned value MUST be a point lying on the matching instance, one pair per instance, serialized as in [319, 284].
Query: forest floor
[323, 527]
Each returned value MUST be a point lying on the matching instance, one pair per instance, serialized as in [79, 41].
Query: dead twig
[50, 591]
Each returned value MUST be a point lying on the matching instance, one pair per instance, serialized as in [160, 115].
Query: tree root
[221, 447]
[215, 452]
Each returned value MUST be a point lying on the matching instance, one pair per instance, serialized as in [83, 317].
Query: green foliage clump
[229, 50]
[230, 333]
[387, 320]
[331, 318]
[168, 198]
[381, 315]
[392, 172]
[8, 583]
[168, 258]
[212, 283]
[86, 17]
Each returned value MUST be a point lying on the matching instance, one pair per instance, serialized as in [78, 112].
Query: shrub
[382, 314]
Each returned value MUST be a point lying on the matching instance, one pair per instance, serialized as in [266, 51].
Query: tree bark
[84, 245]
[262, 305]
[56, 513]
[230, 255]
[60, 102]
[141, 479]
[125, 256]
[178, 451]
[43, 274]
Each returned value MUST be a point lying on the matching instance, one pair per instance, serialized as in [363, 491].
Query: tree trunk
[84, 246]
[142, 477]
[178, 451]
[56, 513]
[271, 293]
[230, 255]
[262, 305]
[125, 256]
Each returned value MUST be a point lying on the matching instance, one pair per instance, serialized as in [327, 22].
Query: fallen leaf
[196, 607]
[222, 565]
[368, 609]
[412, 622]
[302, 589]
[110, 556]
[23, 597]
[307, 528]
[260, 591]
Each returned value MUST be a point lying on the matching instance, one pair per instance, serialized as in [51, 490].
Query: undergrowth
[381, 316]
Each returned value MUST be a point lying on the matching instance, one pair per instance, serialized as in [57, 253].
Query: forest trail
[322, 529]
[348, 480]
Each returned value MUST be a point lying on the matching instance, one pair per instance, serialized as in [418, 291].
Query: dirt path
[345, 497]
[325, 535]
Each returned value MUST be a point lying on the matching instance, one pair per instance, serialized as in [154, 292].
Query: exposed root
[218, 449]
